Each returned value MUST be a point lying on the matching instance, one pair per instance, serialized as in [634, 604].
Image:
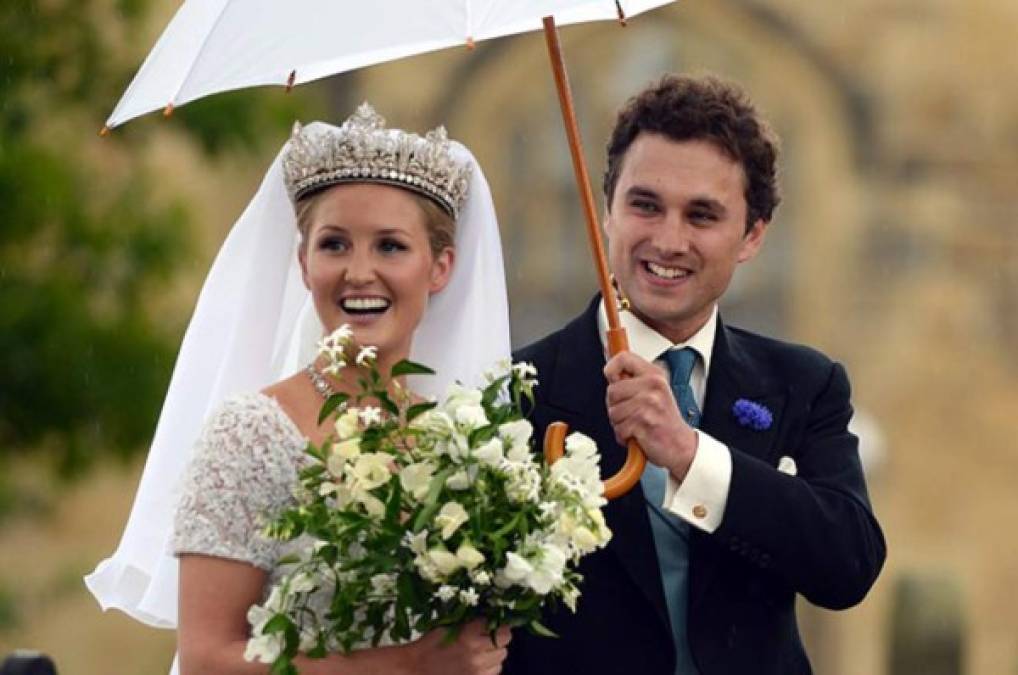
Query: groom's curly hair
[685, 108]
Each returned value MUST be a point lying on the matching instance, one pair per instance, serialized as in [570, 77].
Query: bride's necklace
[319, 381]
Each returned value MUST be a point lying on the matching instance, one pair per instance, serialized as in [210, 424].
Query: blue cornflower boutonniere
[752, 414]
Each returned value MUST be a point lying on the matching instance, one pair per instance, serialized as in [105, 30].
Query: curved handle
[614, 487]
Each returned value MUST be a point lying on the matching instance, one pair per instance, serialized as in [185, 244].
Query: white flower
[490, 453]
[524, 482]
[480, 577]
[471, 416]
[348, 449]
[584, 539]
[434, 421]
[366, 355]
[469, 597]
[445, 562]
[469, 556]
[416, 542]
[450, 517]
[308, 639]
[372, 504]
[371, 470]
[337, 364]
[416, 478]
[517, 436]
[446, 593]
[570, 594]
[524, 370]
[302, 582]
[327, 488]
[277, 601]
[383, 584]
[264, 648]
[341, 335]
[257, 617]
[371, 415]
[458, 481]
[579, 445]
[457, 396]
[516, 569]
[346, 424]
[548, 569]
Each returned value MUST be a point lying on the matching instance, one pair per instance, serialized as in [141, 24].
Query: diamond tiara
[362, 150]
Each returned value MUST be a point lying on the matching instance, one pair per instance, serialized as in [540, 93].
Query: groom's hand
[641, 406]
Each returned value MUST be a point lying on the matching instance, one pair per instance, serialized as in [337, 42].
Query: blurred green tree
[84, 248]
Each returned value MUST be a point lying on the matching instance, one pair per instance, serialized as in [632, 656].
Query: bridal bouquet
[426, 514]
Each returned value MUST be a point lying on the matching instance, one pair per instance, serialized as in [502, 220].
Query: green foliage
[85, 250]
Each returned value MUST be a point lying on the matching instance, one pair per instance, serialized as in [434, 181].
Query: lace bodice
[243, 471]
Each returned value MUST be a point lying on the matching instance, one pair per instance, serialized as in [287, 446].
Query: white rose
[264, 648]
[517, 433]
[450, 517]
[584, 539]
[469, 556]
[490, 453]
[471, 416]
[548, 569]
[416, 478]
[516, 569]
[457, 396]
[458, 481]
[446, 562]
[372, 469]
[347, 424]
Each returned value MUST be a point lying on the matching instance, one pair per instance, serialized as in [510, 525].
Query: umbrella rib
[201, 50]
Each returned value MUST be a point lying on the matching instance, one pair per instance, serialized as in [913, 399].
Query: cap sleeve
[242, 473]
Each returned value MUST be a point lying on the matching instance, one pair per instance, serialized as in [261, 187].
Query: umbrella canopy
[213, 46]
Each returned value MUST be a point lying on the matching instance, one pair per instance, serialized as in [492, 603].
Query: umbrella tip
[290, 81]
[168, 110]
[105, 131]
[470, 43]
[622, 14]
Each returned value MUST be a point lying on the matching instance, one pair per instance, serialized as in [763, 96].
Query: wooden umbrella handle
[617, 485]
[554, 439]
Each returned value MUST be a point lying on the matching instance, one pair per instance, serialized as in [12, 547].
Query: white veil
[254, 323]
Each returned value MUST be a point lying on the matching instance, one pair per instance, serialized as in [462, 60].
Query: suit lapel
[578, 393]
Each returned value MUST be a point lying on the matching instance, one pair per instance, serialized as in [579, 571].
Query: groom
[754, 491]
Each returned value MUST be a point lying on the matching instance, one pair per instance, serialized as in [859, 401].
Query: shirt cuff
[701, 498]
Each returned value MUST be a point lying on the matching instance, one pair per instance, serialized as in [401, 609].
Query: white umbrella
[213, 46]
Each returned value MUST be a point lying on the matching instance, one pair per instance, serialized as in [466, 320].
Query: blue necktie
[671, 533]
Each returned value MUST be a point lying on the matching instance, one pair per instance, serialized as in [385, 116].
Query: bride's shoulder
[250, 418]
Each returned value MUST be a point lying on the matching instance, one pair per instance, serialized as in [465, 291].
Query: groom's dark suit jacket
[813, 533]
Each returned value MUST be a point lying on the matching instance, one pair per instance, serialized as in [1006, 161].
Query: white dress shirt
[701, 497]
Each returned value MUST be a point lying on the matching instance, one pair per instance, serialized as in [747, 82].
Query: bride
[380, 229]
